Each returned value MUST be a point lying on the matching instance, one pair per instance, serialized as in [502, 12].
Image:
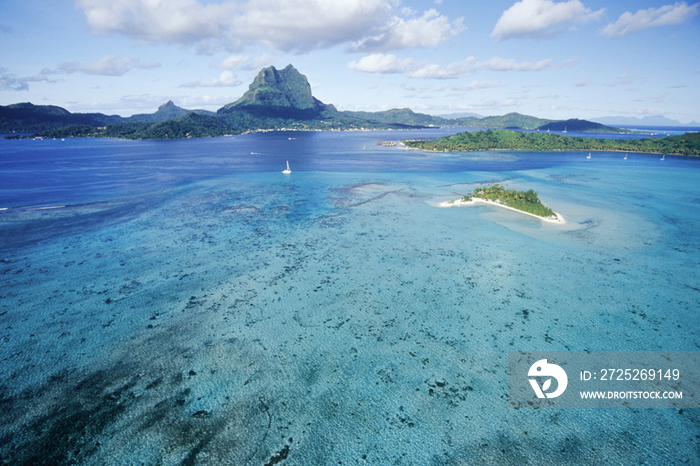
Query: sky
[545, 58]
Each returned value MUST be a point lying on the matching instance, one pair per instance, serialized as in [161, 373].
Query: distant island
[527, 202]
[650, 120]
[275, 100]
[686, 144]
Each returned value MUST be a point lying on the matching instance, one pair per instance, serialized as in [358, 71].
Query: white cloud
[622, 82]
[9, 82]
[659, 98]
[537, 17]
[454, 89]
[380, 63]
[436, 71]
[174, 21]
[503, 64]
[262, 61]
[494, 107]
[226, 79]
[429, 30]
[582, 83]
[303, 25]
[233, 62]
[667, 15]
[482, 85]
[569, 62]
[108, 65]
[206, 101]
[283, 25]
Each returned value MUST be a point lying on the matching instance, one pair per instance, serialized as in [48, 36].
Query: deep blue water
[184, 302]
[50, 172]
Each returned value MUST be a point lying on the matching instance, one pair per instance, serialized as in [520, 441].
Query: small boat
[589, 155]
[625, 157]
[565, 131]
[664, 157]
[287, 171]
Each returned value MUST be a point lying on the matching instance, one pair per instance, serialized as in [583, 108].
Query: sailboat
[589, 155]
[664, 157]
[564, 130]
[288, 170]
[625, 157]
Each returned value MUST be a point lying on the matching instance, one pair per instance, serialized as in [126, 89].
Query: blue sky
[547, 58]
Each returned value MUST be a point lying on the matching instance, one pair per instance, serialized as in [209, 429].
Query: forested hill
[687, 144]
[580, 126]
[28, 118]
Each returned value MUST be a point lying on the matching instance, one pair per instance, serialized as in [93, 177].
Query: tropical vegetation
[527, 201]
[687, 144]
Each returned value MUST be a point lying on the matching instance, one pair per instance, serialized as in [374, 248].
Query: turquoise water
[185, 302]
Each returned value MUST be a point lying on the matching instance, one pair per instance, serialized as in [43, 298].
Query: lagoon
[184, 302]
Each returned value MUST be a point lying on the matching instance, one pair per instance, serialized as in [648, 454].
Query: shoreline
[560, 220]
[495, 149]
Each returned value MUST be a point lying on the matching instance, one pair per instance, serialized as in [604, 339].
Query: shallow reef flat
[332, 319]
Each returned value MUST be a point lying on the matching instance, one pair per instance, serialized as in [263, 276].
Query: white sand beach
[460, 203]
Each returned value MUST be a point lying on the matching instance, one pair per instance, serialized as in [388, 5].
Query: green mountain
[189, 125]
[282, 99]
[404, 116]
[580, 126]
[27, 118]
[284, 94]
[165, 112]
[30, 118]
[510, 120]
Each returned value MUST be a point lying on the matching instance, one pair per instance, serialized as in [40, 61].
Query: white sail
[288, 170]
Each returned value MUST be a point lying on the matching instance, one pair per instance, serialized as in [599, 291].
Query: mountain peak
[282, 93]
[286, 88]
[169, 104]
